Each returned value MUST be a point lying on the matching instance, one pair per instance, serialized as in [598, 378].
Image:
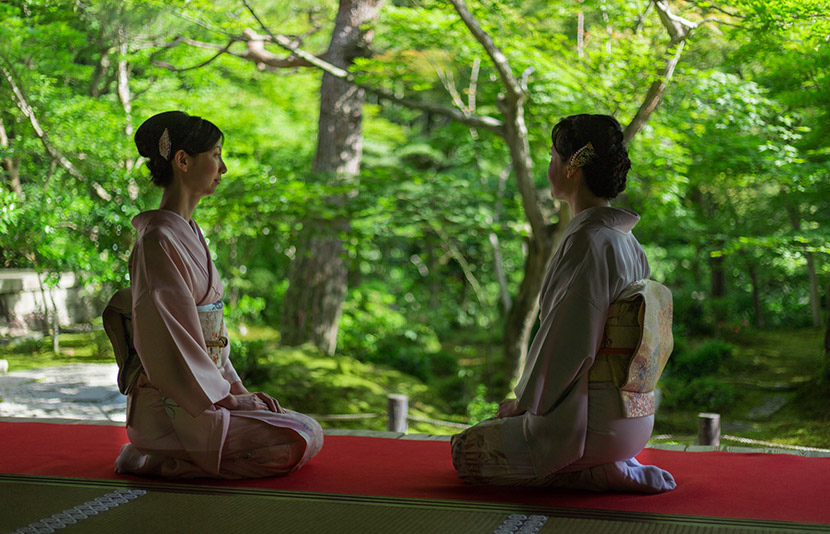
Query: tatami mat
[34, 504]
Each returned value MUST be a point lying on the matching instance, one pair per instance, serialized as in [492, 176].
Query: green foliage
[479, 408]
[373, 330]
[707, 393]
[31, 353]
[706, 360]
[303, 378]
[695, 379]
[30, 346]
[249, 358]
[102, 344]
[732, 166]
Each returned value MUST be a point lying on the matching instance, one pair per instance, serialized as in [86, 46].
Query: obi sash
[117, 319]
[212, 321]
[636, 345]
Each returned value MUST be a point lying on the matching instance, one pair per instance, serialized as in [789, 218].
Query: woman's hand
[251, 401]
[271, 402]
[509, 408]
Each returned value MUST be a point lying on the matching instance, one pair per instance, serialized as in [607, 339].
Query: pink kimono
[573, 432]
[175, 428]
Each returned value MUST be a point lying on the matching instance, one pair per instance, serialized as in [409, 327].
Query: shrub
[710, 394]
[705, 361]
[248, 359]
[373, 330]
[479, 408]
[705, 394]
[31, 346]
[103, 346]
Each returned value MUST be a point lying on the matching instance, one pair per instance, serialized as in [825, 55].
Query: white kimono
[174, 425]
[573, 434]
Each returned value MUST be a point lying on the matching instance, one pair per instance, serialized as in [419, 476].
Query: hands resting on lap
[251, 401]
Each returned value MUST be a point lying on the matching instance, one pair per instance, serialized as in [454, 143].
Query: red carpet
[776, 487]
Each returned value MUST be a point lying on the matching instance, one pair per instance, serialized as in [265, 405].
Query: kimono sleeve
[167, 332]
[575, 307]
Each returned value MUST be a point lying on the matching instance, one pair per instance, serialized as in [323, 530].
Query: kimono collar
[619, 219]
[151, 218]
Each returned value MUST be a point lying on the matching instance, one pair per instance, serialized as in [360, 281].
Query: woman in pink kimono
[189, 415]
[564, 428]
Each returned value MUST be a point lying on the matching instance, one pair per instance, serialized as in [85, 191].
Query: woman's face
[558, 175]
[205, 171]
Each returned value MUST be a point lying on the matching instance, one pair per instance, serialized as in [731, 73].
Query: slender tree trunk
[718, 281]
[318, 276]
[525, 307]
[718, 289]
[815, 299]
[125, 96]
[523, 312]
[580, 32]
[827, 338]
[97, 85]
[501, 276]
[678, 30]
[756, 298]
[654, 94]
[10, 166]
[53, 152]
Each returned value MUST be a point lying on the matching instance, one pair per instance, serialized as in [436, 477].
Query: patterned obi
[118, 326]
[211, 318]
[636, 345]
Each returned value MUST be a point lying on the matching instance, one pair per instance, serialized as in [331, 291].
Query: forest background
[386, 219]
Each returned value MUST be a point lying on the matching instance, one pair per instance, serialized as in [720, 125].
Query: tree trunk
[514, 131]
[756, 298]
[827, 346]
[10, 166]
[126, 98]
[56, 155]
[815, 302]
[815, 299]
[827, 336]
[678, 30]
[318, 276]
[523, 312]
[501, 276]
[718, 277]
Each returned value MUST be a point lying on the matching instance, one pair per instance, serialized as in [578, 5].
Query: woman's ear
[180, 160]
[572, 171]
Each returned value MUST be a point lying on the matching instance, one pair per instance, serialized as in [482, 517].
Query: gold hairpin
[164, 144]
[582, 156]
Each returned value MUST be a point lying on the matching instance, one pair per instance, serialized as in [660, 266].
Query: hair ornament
[164, 144]
[582, 156]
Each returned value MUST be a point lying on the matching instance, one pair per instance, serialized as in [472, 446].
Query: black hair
[192, 134]
[605, 173]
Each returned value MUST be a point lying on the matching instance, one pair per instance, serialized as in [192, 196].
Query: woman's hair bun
[185, 132]
[605, 173]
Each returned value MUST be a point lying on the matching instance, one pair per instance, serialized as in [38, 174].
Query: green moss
[305, 379]
[765, 364]
[87, 347]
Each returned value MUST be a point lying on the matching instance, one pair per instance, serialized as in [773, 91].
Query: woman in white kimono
[562, 429]
[189, 415]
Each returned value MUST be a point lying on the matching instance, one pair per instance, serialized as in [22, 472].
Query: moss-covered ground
[765, 387]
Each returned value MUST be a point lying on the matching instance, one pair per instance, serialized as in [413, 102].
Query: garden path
[81, 391]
